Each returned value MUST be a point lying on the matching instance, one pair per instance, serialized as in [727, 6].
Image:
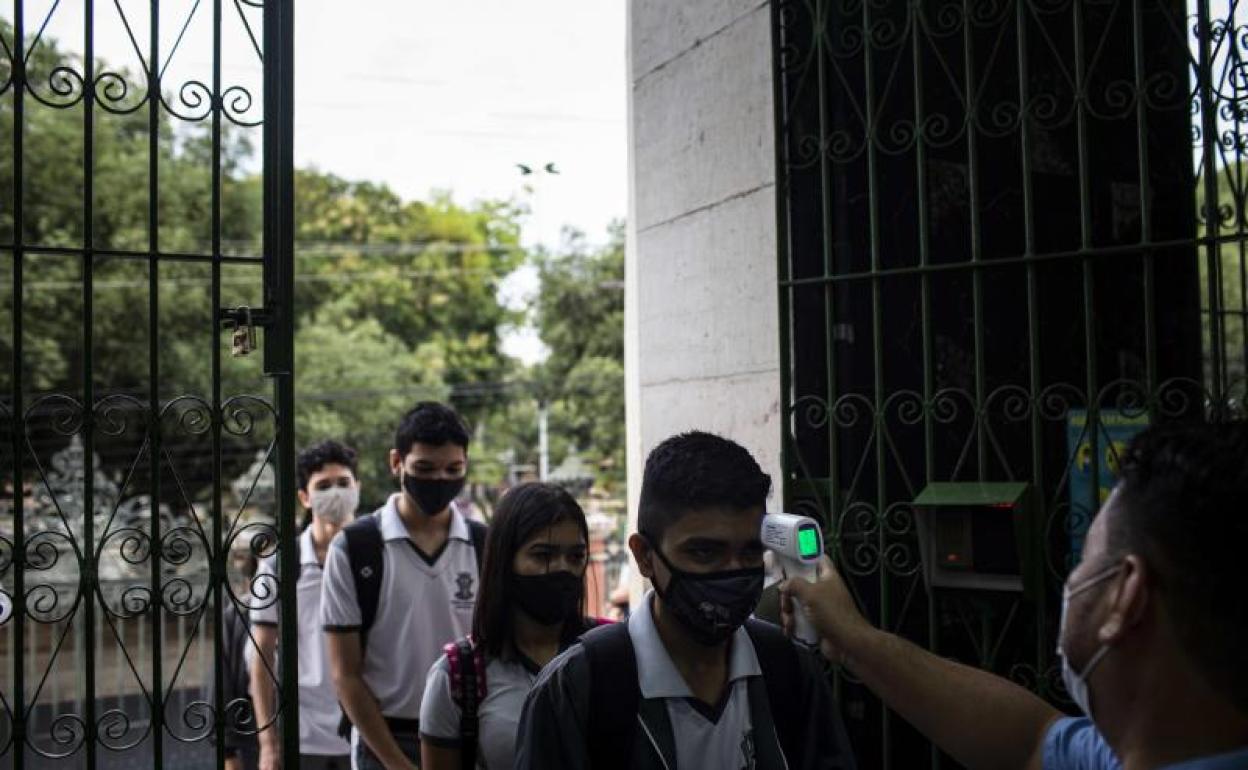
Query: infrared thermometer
[797, 543]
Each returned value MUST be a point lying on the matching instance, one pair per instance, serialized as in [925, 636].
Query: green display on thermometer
[808, 542]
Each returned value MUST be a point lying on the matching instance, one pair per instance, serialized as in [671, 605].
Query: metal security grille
[1011, 235]
[146, 202]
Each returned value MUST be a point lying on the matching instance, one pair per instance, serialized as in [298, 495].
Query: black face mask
[710, 605]
[432, 496]
[549, 598]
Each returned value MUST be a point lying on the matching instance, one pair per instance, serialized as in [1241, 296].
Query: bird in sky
[527, 170]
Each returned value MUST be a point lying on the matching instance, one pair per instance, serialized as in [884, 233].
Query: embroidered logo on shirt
[464, 585]
[748, 754]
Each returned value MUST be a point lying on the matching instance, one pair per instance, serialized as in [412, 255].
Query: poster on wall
[1116, 429]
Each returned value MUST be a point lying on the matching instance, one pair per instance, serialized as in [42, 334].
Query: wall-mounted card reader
[976, 535]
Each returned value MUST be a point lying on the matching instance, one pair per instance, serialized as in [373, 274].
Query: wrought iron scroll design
[120, 91]
[188, 553]
[134, 556]
[1004, 227]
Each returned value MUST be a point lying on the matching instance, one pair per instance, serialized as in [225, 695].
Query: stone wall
[702, 335]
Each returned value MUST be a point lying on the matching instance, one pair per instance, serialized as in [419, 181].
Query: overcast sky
[430, 94]
[420, 94]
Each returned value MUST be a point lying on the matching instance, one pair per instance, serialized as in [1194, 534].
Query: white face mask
[335, 505]
[1077, 681]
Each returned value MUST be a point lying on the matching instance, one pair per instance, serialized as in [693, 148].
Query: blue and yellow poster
[1116, 430]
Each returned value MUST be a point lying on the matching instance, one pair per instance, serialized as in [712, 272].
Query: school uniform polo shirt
[719, 736]
[508, 682]
[425, 601]
[318, 704]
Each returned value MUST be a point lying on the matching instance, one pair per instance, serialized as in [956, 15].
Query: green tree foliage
[1232, 277]
[579, 313]
[396, 301]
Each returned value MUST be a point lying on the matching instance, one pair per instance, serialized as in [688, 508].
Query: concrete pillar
[701, 314]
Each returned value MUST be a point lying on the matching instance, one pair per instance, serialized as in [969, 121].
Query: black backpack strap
[614, 696]
[777, 657]
[468, 690]
[365, 551]
[478, 531]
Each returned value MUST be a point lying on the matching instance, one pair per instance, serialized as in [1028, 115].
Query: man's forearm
[981, 720]
[366, 715]
[263, 694]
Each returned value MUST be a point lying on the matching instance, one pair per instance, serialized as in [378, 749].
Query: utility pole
[543, 440]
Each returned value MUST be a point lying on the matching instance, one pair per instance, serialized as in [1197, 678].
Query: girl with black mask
[530, 607]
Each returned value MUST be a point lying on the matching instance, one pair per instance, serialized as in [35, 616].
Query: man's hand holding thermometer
[815, 604]
[797, 544]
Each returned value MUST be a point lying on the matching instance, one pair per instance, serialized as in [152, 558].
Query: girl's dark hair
[523, 512]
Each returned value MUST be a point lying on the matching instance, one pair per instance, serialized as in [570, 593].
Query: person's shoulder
[808, 657]
[1074, 743]
[441, 666]
[339, 540]
[570, 667]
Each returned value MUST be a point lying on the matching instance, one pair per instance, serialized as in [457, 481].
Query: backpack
[468, 689]
[614, 693]
[365, 550]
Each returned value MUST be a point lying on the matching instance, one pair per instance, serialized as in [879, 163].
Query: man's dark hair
[523, 512]
[317, 456]
[694, 471]
[1183, 507]
[432, 423]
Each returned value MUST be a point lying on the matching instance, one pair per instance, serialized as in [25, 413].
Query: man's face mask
[336, 504]
[710, 605]
[432, 496]
[1075, 678]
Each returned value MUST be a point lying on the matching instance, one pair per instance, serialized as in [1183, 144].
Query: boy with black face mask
[690, 681]
[398, 585]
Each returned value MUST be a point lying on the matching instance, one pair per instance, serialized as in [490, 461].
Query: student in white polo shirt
[328, 488]
[532, 606]
[690, 681]
[400, 584]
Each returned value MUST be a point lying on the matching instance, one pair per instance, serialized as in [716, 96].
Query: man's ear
[396, 462]
[1129, 600]
[305, 499]
[642, 555]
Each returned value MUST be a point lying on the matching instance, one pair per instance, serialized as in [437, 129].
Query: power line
[331, 278]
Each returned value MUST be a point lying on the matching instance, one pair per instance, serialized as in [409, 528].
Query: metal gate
[1011, 235]
[139, 230]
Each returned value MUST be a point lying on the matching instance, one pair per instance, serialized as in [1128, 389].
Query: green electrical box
[978, 536]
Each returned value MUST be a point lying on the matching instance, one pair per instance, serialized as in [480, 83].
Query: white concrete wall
[702, 325]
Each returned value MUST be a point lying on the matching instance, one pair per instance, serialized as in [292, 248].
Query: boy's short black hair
[1183, 497]
[317, 456]
[694, 471]
[432, 423]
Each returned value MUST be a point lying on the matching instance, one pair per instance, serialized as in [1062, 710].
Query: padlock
[244, 339]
